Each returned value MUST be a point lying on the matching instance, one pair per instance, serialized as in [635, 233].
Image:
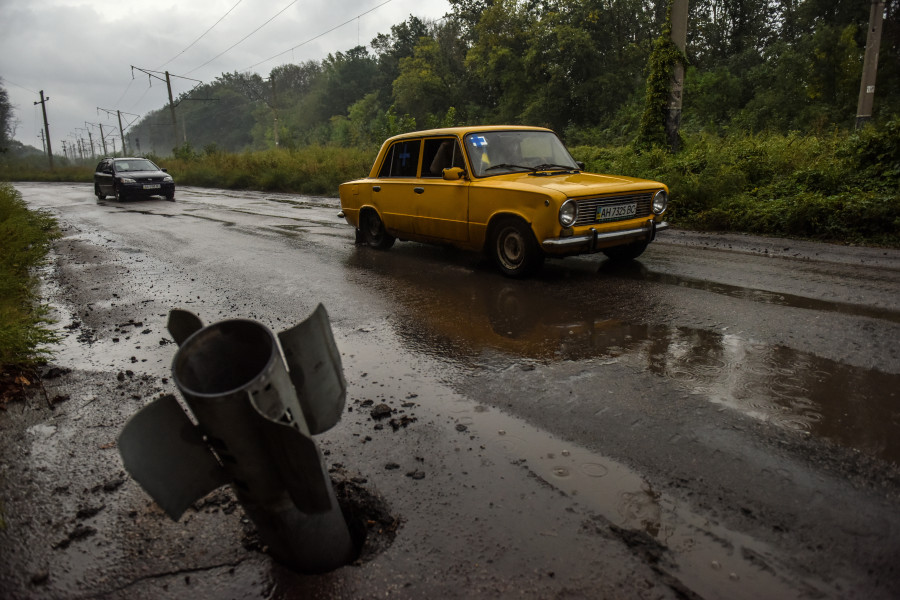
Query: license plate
[616, 211]
[151, 186]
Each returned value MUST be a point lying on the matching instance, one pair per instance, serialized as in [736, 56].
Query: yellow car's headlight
[568, 212]
[660, 200]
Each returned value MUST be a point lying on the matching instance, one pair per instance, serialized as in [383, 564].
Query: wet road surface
[720, 418]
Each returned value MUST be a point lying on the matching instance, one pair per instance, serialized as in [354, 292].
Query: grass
[313, 170]
[25, 238]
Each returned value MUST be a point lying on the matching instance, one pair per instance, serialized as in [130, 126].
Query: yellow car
[513, 192]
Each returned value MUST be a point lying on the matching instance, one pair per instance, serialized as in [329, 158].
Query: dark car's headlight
[568, 212]
[126, 180]
[168, 179]
[660, 200]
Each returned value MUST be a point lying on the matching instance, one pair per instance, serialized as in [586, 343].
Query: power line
[318, 36]
[119, 101]
[201, 36]
[245, 37]
[17, 85]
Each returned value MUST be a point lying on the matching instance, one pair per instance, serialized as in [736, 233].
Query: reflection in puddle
[482, 320]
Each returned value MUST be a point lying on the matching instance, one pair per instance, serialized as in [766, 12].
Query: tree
[7, 121]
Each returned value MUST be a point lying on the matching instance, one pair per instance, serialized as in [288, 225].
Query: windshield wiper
[507, 166]
[534, 170]
[551, 167]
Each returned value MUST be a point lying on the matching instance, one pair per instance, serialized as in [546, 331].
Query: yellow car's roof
[461, 131]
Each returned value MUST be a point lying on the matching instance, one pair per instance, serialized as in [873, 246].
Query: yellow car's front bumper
[595, 240]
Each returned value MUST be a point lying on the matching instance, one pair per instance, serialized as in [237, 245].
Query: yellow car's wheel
[374, 233]
[514, 249]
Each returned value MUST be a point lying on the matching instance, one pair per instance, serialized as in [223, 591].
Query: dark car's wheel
[120, 194]
[374, 233]
[170, 197]
[514, 249]
[100, 195]
[626, 252]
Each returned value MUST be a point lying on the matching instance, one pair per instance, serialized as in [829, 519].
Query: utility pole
[103, 140]
[122, 133]
[172, 105]
[90, 139]
[275, 110]
[119, 114]
[679, 38]
[870, 65]
[172, 109]
[43, 143]
[66, 154]
[43, 104]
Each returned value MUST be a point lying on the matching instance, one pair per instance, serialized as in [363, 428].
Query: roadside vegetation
[25, 238]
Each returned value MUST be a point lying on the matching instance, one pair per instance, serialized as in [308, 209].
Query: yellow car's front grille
[588, 207]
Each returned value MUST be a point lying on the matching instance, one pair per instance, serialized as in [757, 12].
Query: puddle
[486, 322]
[709, 559]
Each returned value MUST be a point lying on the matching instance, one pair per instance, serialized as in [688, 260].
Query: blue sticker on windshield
[479, 141]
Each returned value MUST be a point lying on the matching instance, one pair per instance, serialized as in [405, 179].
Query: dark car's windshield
[140, 164]
[499, 152]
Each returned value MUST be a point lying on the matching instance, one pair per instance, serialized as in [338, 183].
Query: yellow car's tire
[514, 249]
[374, 233]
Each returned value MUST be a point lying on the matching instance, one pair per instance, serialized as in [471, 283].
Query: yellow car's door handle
[419, 190]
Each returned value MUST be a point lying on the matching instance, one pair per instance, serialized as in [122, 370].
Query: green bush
[840, 187]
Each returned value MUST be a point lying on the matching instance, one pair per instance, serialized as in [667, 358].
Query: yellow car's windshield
[501, 152]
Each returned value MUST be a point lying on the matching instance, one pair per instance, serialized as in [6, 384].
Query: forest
[577, 66]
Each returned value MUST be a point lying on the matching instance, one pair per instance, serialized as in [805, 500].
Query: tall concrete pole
[870, 64]
[275, 110]
[172, 108]
[679, 38]
[103, 140]
[122, 133]
[46, 126]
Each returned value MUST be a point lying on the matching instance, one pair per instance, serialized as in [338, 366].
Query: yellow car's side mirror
[454, 173]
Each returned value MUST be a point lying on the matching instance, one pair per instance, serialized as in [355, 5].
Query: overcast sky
[80, 52]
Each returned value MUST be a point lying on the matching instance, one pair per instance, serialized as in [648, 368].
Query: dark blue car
[132, 178]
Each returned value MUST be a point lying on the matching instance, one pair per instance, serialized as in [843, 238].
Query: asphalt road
[718, 420]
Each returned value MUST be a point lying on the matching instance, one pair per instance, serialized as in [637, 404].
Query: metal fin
[296, 459]
[315, 369]
[182, 324]
[165, 453]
